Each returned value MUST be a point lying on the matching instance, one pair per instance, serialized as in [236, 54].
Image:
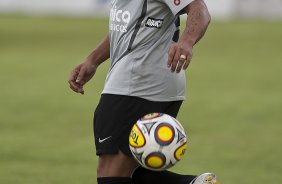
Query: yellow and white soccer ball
[157, 141]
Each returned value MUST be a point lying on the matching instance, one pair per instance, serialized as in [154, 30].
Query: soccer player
[146, 74]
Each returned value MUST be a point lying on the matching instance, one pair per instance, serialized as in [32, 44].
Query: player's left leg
[205, 178]
[141, 176]
[145, 176]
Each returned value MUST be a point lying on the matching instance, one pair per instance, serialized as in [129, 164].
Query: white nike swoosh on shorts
[103, 140]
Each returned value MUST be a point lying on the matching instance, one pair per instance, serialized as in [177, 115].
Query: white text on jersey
[119, 19]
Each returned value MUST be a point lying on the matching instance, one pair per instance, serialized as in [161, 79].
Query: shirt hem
[150, 98]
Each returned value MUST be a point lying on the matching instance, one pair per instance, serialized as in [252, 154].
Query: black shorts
[115, 115]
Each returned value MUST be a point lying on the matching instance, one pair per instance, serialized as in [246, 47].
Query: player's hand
[80, 75]
[179, 56]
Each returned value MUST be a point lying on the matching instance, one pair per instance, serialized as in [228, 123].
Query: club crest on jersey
[155, 23]
[177, 2]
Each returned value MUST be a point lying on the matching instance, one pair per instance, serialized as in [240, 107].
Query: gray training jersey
[141, 32]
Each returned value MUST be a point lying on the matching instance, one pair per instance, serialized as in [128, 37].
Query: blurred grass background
[232, 113]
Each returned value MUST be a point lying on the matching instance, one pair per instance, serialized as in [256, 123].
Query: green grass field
[233, 111]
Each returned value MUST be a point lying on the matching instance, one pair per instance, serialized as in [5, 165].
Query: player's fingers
[181, 63]
[76, 87]
[171, 54]
[175, 61]
[185, 66]
[73, 75]
[188, 60]
[80, 77]
[72, 79]
[81, 90]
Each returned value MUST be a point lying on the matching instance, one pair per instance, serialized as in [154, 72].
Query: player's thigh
[113, 120]
[116, 165]
[116, 114]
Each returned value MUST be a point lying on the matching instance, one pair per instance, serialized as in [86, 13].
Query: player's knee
[117, 165]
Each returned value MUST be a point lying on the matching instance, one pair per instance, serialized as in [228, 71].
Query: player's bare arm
[82, 73]
[180, 53]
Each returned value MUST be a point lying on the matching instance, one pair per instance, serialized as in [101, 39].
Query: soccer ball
[157, 141]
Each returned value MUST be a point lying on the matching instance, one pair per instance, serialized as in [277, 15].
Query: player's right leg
[115, 169]
[113, 119]
[113, 165]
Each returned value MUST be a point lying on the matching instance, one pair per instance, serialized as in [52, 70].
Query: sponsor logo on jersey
[119, 19]
[155, 23]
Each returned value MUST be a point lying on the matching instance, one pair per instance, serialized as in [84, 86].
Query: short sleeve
[176, 5]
